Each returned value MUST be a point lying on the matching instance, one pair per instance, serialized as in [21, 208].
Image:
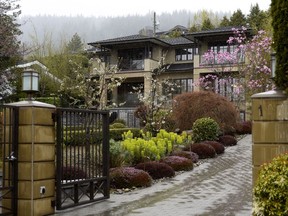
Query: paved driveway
[221, 186]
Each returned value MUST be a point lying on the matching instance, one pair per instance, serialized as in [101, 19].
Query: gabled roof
[140, 39]
[222, 31]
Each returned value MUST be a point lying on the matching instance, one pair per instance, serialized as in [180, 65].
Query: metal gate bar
[9, 125]
[82, 157]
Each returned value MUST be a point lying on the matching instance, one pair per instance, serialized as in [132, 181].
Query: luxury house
[180, 52]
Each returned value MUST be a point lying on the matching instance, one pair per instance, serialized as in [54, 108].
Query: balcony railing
[132, 65]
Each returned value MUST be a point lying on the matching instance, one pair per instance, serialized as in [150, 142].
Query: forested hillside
[62, 28]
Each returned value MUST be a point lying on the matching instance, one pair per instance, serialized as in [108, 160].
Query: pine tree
[75, 45]
[207, 25]
[224, 22]
[238, 19]
[257, 18]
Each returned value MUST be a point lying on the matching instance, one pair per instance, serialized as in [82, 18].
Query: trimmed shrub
[271, 189]
[205, 129]
[117, 125]
[71, 173]
[129, 177]
[227, 140]
[187, 154]
[156, 169]
[178, 163]
[244, 127]
[118, 120]
[79, 137]
[188, 107]
[219, 147]
[202, 150]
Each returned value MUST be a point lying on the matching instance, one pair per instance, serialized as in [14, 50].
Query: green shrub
[178, 163]
[150, 148]
[79, 137]
[270, 194]
[205, 129]
[189, 107]
[118, 120]
[156, 169]
[117, 125]
[117, 155]
[128, 177]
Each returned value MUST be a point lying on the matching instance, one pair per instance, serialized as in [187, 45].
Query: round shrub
[219, 147]
[188, 107]
[271, 189]
[187, 154]
[178, 163]
[202, 150]
[227, 140]
[205, 129]
[128, 177]
[156, 169]
[72, 173]
[117, 125]
[244, 127]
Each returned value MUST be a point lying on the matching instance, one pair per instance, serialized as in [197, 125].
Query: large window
[133, 59]
[185, 54]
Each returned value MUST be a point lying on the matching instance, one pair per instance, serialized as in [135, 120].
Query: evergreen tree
[207, 25]
[224, 22]
[257, 18]
[279, 12]
[75, 45]
[238, 19]
[9, 44]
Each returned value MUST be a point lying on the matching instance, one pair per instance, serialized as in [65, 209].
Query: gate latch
[11, 157]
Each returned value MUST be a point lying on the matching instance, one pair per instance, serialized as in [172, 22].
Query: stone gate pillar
[36, 158]
[269, 128]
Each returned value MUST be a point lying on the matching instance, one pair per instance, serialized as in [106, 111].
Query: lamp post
[30, 82]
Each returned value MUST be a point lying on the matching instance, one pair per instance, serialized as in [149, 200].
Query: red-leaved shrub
[71, 173]
[244, 127]
[188, 107]
[187, 154]
[219, 147]
[227, 140]
[128, 177]
[202, 150]
[178, 163]
[156, 169]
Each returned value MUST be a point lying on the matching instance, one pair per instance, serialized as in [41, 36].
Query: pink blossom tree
[244, 67]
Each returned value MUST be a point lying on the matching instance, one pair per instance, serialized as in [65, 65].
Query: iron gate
[9, 123]
[82, 157]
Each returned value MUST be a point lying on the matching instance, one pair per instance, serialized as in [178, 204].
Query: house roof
[142, 38]
[217, 32]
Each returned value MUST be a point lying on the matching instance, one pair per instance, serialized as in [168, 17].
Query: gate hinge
[54, 117]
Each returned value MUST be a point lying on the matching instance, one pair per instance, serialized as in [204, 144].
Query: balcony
[136, 65]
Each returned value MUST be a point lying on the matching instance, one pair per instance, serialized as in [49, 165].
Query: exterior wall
[269, 129]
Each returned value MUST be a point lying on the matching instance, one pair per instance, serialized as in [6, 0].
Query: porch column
[269, 129]
[147, 84]
[36, 158]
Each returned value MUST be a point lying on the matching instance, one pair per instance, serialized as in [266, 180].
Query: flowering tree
[155, 106]
[251, 77]
[90, 86]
